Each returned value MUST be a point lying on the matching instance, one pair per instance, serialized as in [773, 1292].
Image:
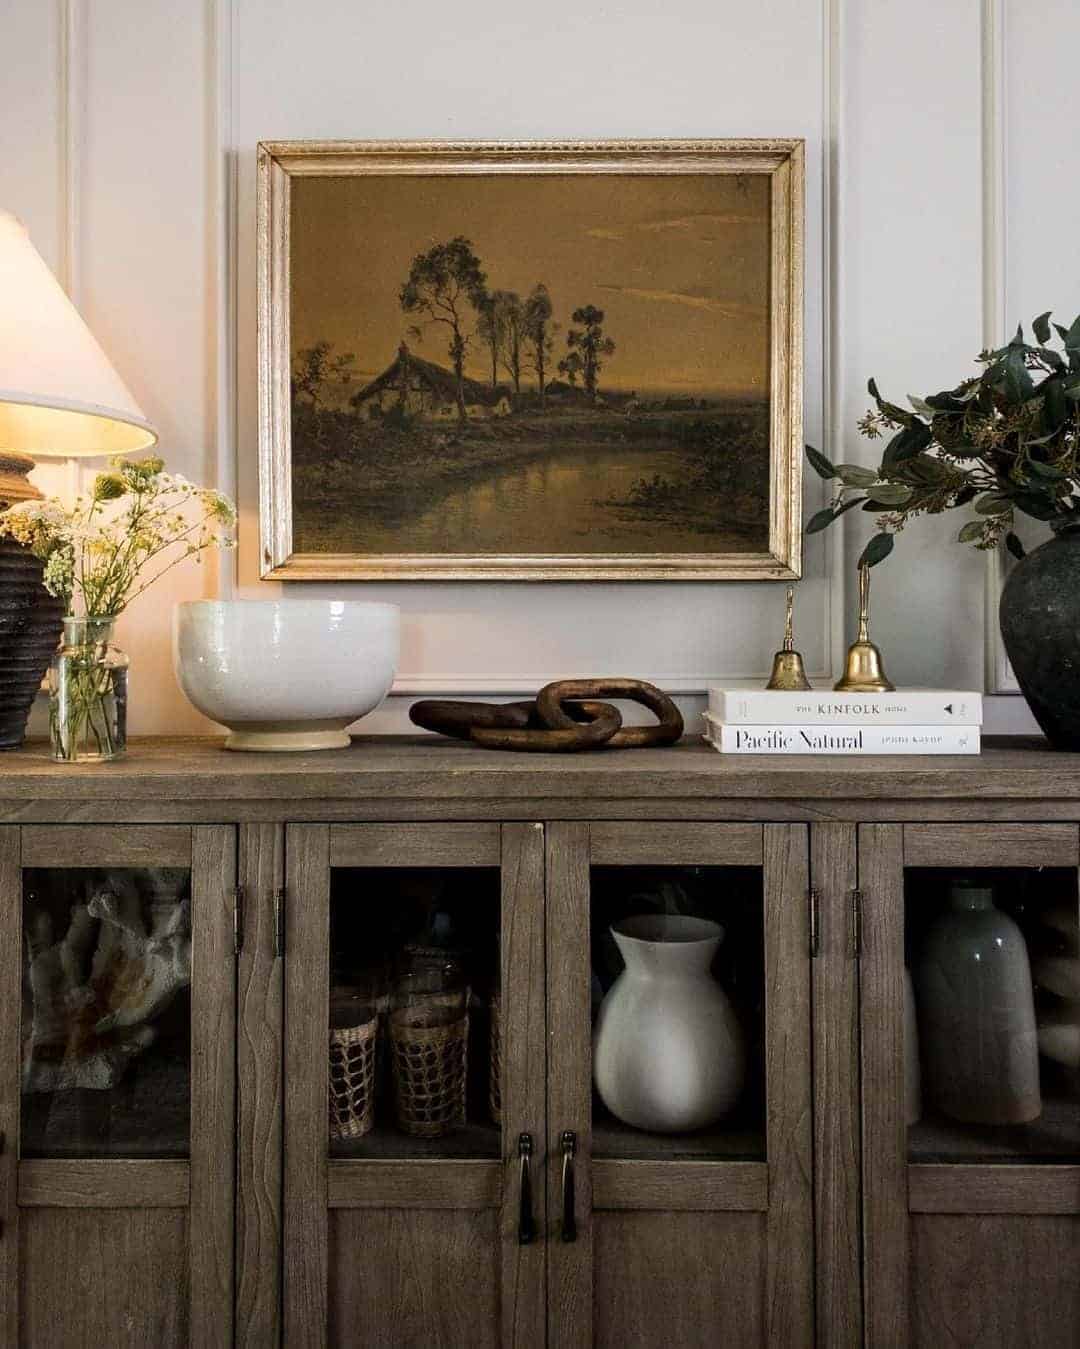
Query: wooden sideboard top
[427, 768]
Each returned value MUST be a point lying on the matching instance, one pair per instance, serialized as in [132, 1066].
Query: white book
[905, 707]
[838, 739]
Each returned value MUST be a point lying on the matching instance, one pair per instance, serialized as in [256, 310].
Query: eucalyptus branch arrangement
[136, 523]
[1004, 441]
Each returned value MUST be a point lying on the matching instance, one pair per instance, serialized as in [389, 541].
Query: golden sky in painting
[679, 265]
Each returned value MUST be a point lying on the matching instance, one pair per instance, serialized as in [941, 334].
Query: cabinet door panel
[412, 1279]
[118, 1092]
[693, 1226]
[967, 1271]
[680, 1279]
[105, 1276]
[421, 948]
[970, 997]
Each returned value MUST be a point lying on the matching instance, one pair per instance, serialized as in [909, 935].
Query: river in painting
[678, 483]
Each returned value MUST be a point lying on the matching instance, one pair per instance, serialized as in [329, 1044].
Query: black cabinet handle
[569, 1221]
[526, 1223]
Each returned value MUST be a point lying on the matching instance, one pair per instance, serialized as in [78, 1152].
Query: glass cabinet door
[970, 992]
[679, 1204]
[414, 1112]
[117, 1011]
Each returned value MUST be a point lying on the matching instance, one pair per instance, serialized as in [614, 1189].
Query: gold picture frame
[281, 165]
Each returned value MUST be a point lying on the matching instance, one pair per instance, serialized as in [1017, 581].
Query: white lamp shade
[59, 394]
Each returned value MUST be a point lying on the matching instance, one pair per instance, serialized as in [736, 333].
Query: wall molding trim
[999, 676]
[832, 400]
[451, 685]
[222, 265]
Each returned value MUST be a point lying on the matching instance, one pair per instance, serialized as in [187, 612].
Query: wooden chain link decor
[564, 717]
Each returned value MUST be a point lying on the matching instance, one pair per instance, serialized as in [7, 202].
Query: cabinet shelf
[475, 1140]
[737, 1142]
[1050, 1138]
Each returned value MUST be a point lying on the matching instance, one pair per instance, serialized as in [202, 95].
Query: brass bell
[864, 669]
[788, 672]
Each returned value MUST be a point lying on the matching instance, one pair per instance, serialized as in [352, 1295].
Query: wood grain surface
[993, 1282]
[430, 1184]
[789, 1283]
[523, 1269]
[1007, 1188]
[679, 843]
[428, 768]
[1004, 845]
[213, 1085]
[119, 1183]
[260, 1014]
[680, 1279]
[307, 1017]
[837, 1112]
[406, 1279]
[11, 962]
[569, 1083]
[680, 1186]
[104, 846]
[884, 1133]
[116, 1277]
[415, 845]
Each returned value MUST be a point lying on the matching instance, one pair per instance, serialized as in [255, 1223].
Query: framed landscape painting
[530, 360]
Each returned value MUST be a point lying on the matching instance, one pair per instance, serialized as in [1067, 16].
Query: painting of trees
[537, 328]
[499, 328]
[589, 343]
[570, 367]
[443, 284]
[315, 367]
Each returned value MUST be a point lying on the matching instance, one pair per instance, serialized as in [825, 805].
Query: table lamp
[59, 396]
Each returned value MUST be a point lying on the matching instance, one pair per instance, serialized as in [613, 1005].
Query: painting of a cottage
[535, 373]
[413, 388]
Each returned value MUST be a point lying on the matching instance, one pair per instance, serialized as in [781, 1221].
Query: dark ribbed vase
[30, 625]
[1040, 626]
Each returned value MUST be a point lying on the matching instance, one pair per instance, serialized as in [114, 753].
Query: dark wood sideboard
[200, 1200]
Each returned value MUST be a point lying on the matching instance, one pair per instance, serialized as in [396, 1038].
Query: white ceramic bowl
[286, 674]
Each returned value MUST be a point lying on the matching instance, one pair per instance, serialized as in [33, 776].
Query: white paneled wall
[127, 140]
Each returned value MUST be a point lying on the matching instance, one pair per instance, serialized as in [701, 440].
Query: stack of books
[909, 721]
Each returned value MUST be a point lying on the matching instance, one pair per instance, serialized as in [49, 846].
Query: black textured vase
[1040, 625]
[30, 624]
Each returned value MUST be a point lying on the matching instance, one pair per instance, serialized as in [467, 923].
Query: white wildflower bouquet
[135, 524]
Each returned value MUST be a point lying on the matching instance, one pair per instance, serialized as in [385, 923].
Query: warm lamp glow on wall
[59, 394]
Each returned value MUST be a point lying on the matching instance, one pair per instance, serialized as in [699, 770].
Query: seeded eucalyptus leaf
[1049, 471]
[847, 506]
[1041, 327]
[907, 444]
[819, 463]
[1015, 546]
[877, 550]
[1054, 410]
[971, 531]
[1036, 504]
[993, 503]
[1018, 382]
[890, 410]
[854, 475]
[820, 520]
[891, 493]
[1070, 336]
